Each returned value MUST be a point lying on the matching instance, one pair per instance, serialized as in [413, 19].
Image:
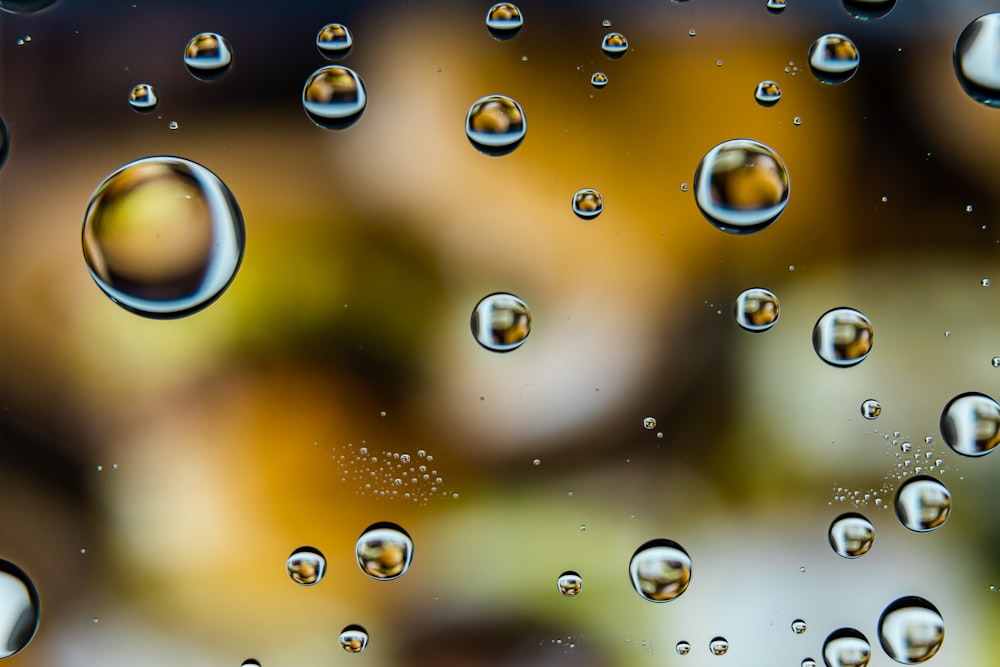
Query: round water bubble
[660, 570]
[496, 125]
[18, 609]
[868, 10]
[334, 40]
[683, 647]
[504, 20]
[588, 203]
[718, 646]
[923, 503]
[977, 52]
[851, 535]
[4, 141]
[767, 93]
[776, 6]
[799, 626]
[970, 424]
[306, 566]
[871, 409]
[143, 98]
[384, 551]
[843, 337]
[334, 97]
[598, 79]
[501, 322]
[741, 186]
[570, 583]
[834, 58]
[911, 630]
[846, 647]
[208, 56]
[163, 237]
[614, 45]
[756, 309]
[354, 639]
[24, 6]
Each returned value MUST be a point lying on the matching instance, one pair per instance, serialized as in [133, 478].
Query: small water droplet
[496, 125]
[583, 527]
[718, 646]
[776, 6]
[334, 97]
[143, 98]
[756, 309]
[692, 32]
[614, 45]
[802, 570]
[843, 337]
[19, 607]
[851, 535]
[995, 362]
[797, 121]
[384, 551]
[684, 187]
[660, 570]
[911, 630]
[808, 662]
[985, 282]
[404, 458]
[501, 322]
[173, 125]
[834, 58]
[649, 423]
[905, 447]
[975, 58]
[208, 56]
[504, 20]
[970, 424]
[767, 93]
[799, 626]
[741, 186]
[569, 583]
[923, 504]
[354, 639]
[588, 203]
[871, 409]
[306, 566]
[598, 79]
[968, 208]
[868, 10]
[536, 462]
[334, 41]
[846, 647]
[718, 63]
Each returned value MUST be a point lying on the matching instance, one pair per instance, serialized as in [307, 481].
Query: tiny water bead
[923, 503]
[756, 309]
[995, 362]
[718, 646]
[767, 93]
[588, 203]
[306, 566]
[501, 322]
[834, 59]
[911, 630]
[843, 337]
[649, 423]
[868, 10]
[570, 583]
[871, 409]
[163, 237]
[614, 45]
[776, 6]
[19, 609]
[976, 53]
[334, 97]
[496, 125]
[851, 535]
[354, 639]
[598, 79]
[846, 647]
[970, 424]
[504, 20]
[683, 647]
[208, 56]
[660, 570]
[143, 98]
[334, 40]
[384, 551]
[741, 186]
[799, 626]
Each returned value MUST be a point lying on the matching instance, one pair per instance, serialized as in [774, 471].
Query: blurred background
[156, 474]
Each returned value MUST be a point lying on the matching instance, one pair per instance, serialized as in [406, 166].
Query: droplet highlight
[306, 566]
[970, 424]
[353, 639]
[834, 59]
[977, 51]
[496, 125]
[334, 41]
[851, 535]
[767, 93]
[756, 310]
[588, 203]
[911, 630]
[384, 551]
[208, 56]
[843, 337]
[334, 97]
[846, 647]
[718, 646]
[501, 322]
[504, 20]
[923, 504]
[19, 609]
[143, 98]
[871, 409]
[660, 570]
[614, 45]
[569, 583]
[741, 186]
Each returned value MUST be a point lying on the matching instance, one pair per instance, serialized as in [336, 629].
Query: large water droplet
[569, 583]
[208, 56]
[868, 10]
[911, 630]
[718, 646]
[741, 186]
[846, 647]
[923, 503]
[24, 6]
[334, 97]
[504, 20]
[776, 6]
[683, 647]
[334, 40]
[501, 322]
[588, 203]
[614, 45]
[843, 337]
[660, 570]
[4, 141]
[970, 424]
[354, 639]
[799, 626]
[977, 54]
[163, 237]
[384, 551]
[306, 566]
[767, 93]
[598, 79]
[18, 609]
[834, 58]
[496, 125]
[143, 98]
[851, 535]
[871, 409]
[756, 309]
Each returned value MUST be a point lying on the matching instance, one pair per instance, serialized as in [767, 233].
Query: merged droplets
[143, 98]
[496, 125]
[851, 535]
[923, 503]
[384, 551]
[569, 583]
[741, 186]
[353, 639]
[767, 93]
[306, 566]
[208, 56]
[868, 10]
[504, 20]
[501, 322]
[19, 609]
[334, 97]
[718, 646]
[846, 647]
[756, 309]
[977, 52]
[834, 58]
[911, 630]
[843, 337]
[588, 203]
[614, 45]
[598, 79]
[163, 237]
[871, 409]
[334, 40]
[660, 570]
[970, 424]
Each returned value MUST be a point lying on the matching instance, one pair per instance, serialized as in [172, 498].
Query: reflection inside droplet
[353, 639]
[334, 40]
[208, 56]
[504, 20]
[977, 51]
[970, 424]
[871, 409]
[306, 566]
[570, 583]
[496, 125]
[767, 93]
[143, 98]
[614, 45]
[851, 535]
[660, 570]
[911, 630]
[334, 97]
[846, 647]
[741, 186]
[718, 646]
[834, 59]
[756, 309]
[923, 503]
[588, 203]
[501, 322]
[384, 551]
[19, 609]
[843, 337]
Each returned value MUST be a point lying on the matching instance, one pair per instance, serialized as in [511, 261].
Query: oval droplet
[306, 566]
[384, 551]
[767, 93]
[911, 630]
[570, 583]
[683, 647]
[843, 337]
[871, 409]
[741, 186]
[799, 626]
[614, 45]
[208, 56]
[923, 504]
[24, 6]
[4, 141]
[970, 424]
[977, 51]
[163, 237]
[504, 20]
[588, 203]
[354, 639]
[756, 309]
[660, 570]
[868, 10]
[501, 322]
[776, 6]
[846, 647]
[834, 58]
[496, 125]
[851, 535]
[334, 41]
[598, 79]
[19, 609]
[143, 98]
[334, 97]
[718, 646]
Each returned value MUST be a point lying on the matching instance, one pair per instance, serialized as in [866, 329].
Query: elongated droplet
[306, 566]
[756, 309]
[851, 535]
[143, 98]
[334, 41]
[384, 551]
[334, 97]
[970, 424]
[977, 54]
[504, 20]
[208, 56]
[843, 337]
[660, 570]
[501, 322]
[834, 58]
[19, 609]
[846, 647]
[923, 504]
[496, 125]
[354, 639]
[741, 186]
[911, 630]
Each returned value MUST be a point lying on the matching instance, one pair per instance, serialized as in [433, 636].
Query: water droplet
[614, 45]
[606, 23]
[384, 551]
[588, 203]
[536, 462]
[250, 662]
[692, 32]
[970, 424]
[569, 583]
[24, 6]
[851, 535]
[683, 647]
[843, 337]
[501, 322]
[208, 56]
[756, 309]
[143, 98]
[985, 282]
[846, 647]
[871, 409]
[923, 503]
[173, 125]
[796, 121]
[354, 639]
[976, 53]
[495, 125]
[684, 187]
[834, 59]
[911, 630]
[718, 646]
[868, 10]
[306, 566]
[767, 93]
[799, 626]
[660, 570]
[334, 40]
[598, 79]
[504, 20]
[19, 607]
[163, 237]
[649, 423]
[334, 97]
[776, 6]
[741, 186]
[583, 528]
[995, 362]
[808, 662]
[4, 141]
